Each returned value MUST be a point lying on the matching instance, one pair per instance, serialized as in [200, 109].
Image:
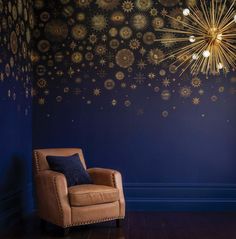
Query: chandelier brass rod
[185, 24]
[221, 12]
[203, 5]
[183, 39]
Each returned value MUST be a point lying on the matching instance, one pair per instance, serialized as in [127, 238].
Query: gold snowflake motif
[165, 95]
[153, 12]
[71, 72]
[157, 23]
[127, 103]
[80, 16]
[166, 82]
[109, 84]
[155, 56]
[127, 6]
[214, 98]
[165, 113]
[201, 92]
[139, 78]
[107, 5]
[83, 3]
[92, 38]
[76, 57]
[196, 101]
[149, 38]
[79, 32]
[113, 32]
[100, 50]
[141, 64]
[97, 92]
[167, 39]
[98, 22]
[151, 75]
[164, 12]
[102, 62]
[114, 102]
[117, 17]
[142, 51]
[143, 5]
[120, 75]
[41, 83]
[125, 32]
[221, 89]
[114, 43]
[162, 72]
[139, 21]
[196, 82]
[134, 44]
[41, 101]
[185, 91]
[133, 87]
[73, 45]
[124, 58]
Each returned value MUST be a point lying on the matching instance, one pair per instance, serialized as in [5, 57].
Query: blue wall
[16, 109]
[172, 137]
[184, 162]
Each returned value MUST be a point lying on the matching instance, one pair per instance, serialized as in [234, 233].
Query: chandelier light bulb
[235, 18]
[195, 56]
[192, 39]
[219, 37]
[206, 53]
[186, 12]
[220, 66]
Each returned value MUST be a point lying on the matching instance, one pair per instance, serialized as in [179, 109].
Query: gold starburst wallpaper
[16, 24]
[105, 54]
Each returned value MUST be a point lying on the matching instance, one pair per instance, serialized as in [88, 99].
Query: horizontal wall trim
[202, 185]
[180, 196]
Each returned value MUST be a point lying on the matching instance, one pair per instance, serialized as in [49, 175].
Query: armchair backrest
[39, 157]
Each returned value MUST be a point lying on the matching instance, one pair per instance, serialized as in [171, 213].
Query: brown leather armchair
[81, 204]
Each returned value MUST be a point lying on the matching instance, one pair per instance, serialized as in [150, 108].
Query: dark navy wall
[15, 107]
[172, 137]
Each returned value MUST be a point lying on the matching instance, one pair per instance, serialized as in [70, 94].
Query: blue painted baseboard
[180, 197]
[15, 205]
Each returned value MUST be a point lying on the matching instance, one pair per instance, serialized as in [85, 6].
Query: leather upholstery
[67, 207]
[110, 177]
[91, 194]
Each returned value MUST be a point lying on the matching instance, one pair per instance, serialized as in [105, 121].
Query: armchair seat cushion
[91, 194]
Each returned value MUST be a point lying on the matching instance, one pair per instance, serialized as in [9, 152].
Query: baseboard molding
[14, 205]
[180, 197]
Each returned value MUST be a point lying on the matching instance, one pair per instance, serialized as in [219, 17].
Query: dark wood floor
[138, 225]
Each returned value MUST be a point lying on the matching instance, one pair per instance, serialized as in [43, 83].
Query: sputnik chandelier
[206, 39]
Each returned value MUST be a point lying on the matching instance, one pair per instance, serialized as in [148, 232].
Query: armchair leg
[118, 223]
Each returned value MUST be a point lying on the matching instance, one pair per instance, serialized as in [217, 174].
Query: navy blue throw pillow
[71, 167]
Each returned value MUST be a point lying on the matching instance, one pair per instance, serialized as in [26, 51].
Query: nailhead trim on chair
[58, 201]
[54, 183]
[37, 161]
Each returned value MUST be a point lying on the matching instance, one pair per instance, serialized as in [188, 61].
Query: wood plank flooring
[140, 225]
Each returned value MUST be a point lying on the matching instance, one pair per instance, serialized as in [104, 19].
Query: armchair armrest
[52, 194]
[112, 178]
